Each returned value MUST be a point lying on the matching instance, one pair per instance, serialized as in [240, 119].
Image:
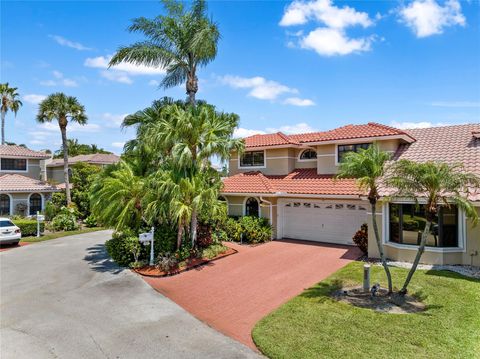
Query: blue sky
[290, 66]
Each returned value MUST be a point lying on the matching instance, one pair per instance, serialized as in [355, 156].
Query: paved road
[64, 299]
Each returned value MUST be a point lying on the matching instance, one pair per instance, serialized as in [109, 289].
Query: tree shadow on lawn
[451, 274]
[100, 261]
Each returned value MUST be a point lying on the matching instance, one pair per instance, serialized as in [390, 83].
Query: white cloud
[245, 132]
[112, 120]
[456, 104]
[332, 42]
[154, 83]
[411, 125]
[300, 12]
[121, 72]
[72, 127]
[427, 17]
[34, 99]
[260, 87]
[118, 144]
[65, 42]
[331, 38]
[292, 129]
[296, 101]
[60, 80]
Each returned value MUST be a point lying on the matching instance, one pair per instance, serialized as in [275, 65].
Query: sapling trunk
[63, 130]
[380, 249]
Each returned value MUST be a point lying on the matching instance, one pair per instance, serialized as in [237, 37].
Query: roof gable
[14, 151]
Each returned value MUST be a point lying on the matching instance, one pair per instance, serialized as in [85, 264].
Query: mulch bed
[152, 271]
[381, 302]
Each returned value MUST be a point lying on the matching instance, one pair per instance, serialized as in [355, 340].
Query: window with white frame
[13, 164]
[308, 155]
[252, 159]
[342, 150]
[4, 204]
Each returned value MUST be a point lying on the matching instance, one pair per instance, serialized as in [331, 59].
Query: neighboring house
[23, 186]
[290, 179]
[55, 166]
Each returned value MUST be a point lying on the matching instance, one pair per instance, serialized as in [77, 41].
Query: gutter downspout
[270, 211]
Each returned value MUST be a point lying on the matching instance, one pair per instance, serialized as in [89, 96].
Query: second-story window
[252, 159]
[13, 164]
[308, 155]
[343, 149]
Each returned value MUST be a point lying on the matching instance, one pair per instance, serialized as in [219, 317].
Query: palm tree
[180, 42]
[440, 184]
[10, 102]
[368, 167]
[116, 197]
[191, 136]
[63, 108]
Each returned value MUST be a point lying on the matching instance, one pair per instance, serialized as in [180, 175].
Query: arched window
[35, 204]
[252, 207]
[308, 155]
[4, 204]
[222, 199]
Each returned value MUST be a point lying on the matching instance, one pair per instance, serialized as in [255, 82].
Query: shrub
[361, 238]
[55, 205]
[204, 235]
[28, 227]
[90, 221]
[167, 262]
[256, 230]
[232, 230]
[65, 220]
[120, 247]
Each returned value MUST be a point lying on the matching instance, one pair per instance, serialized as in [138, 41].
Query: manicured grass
[213, 251]
[313, 325]
[60, 234]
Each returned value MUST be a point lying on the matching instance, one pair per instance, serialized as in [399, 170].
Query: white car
[9, 233]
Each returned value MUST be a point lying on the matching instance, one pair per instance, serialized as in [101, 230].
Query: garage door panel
[323, 222]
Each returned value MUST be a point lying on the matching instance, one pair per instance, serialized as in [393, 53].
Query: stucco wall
[55, 174]
[23, 198]
[278, 161]
[407, 253]
[35, 169]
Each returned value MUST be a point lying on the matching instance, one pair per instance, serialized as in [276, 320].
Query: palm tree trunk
[380, 248]
[193, 227]
[192, 86]
[420, 251]
[179, 234]
[3, 126]
[63, 130]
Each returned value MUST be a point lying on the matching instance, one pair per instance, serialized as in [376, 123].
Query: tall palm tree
[179, 42]
[368, 167]
[10, 102]
[440, 184]
[191, 136]
[62, 108]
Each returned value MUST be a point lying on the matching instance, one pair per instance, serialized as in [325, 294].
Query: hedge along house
[23, 176]
[290, 179]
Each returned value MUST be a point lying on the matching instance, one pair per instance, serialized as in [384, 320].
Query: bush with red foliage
[204, 235]
[361, 238]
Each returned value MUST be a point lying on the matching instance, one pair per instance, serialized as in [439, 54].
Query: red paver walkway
[235, 292]
[6, 247]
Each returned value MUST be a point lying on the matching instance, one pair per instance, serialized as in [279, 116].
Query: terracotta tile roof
[370, 130]
[300, 181]
[271, 139]
[17, 183]
[96, 158]
[13, 151]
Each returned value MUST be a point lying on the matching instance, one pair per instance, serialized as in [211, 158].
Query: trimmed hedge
[28, 227]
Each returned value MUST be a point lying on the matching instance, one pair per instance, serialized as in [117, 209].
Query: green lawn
[60, 234]
[313, 325]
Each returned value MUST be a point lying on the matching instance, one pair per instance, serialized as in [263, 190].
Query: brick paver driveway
[233, 293]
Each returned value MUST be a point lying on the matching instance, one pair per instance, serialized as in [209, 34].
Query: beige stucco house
[290, 179]
[23, 181]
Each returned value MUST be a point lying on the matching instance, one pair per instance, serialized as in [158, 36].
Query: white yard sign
[145, 238]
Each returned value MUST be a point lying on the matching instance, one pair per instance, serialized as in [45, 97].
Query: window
[407, 222]
[4, 204]
[13, 164]
[308, 155]
[343, 149]
[252, 207]
[253, 159]
[6, 223]
[35, 204]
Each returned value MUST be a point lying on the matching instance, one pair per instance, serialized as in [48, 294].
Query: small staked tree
[368, 166]
[180, 42]
[10, 102]
[62, 108]
[439, 184]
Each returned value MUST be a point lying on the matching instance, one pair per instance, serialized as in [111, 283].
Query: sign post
[148, 237]
[40, 218]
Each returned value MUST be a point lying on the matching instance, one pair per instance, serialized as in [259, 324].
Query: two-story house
[290, 179]
[23, 175]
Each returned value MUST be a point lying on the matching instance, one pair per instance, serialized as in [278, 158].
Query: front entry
[319, 221]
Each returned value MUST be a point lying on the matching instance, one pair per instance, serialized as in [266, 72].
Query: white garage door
[323, 222]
